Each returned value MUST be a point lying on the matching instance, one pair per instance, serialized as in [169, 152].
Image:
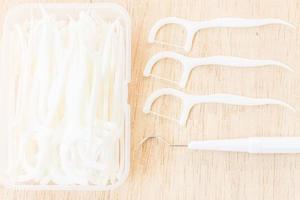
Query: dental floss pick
[192, 27]
[188, 101]
[189, 64]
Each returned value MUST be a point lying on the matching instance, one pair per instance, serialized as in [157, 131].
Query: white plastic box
[22, 13]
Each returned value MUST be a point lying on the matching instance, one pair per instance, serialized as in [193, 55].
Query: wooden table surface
[162, 172]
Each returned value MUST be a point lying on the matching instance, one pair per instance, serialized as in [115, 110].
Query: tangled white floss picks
[66, 115]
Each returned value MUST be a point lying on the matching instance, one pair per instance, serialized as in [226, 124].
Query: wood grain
[160, 172]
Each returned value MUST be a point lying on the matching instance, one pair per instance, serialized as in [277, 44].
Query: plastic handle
[263, 145]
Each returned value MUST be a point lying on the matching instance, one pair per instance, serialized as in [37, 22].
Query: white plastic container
[22, 13]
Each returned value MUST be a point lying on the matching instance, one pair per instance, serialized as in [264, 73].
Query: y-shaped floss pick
[188, 101]
[192, 27]
[189, 63]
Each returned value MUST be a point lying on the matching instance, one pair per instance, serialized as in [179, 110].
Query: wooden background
[161, 172]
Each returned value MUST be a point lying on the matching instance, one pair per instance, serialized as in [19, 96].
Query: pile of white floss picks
[66, 111]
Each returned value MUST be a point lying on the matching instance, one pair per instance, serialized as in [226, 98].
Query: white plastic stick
[189, 63]
[192, 27]
[188, 101]
[257, 145]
